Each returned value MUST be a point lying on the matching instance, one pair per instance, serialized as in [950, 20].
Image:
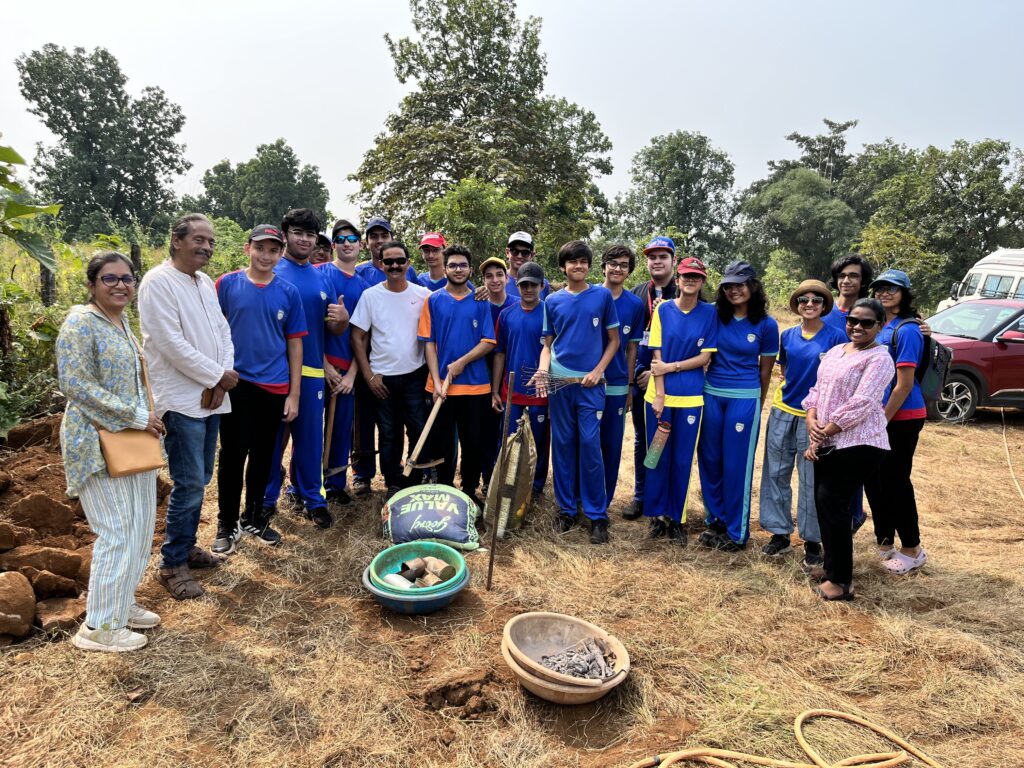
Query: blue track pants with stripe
[725, 460]
[341, 441]
[576, 413]
[307, 430]
[613, 427]
[666, 486]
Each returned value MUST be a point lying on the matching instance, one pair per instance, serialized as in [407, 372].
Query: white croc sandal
[901, 564]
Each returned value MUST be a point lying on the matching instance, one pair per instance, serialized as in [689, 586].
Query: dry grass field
[288, 662]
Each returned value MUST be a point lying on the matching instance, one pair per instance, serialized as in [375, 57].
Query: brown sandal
[201, 558]
[179, 582]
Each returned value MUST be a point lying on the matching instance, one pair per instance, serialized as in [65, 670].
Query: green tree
[262, 189]
[115, 155]
[888, 247]
[868, 172]
[799, 213]
[477, 214]
[963, 203]
[681, 180]
[825, 153]
[476, 109]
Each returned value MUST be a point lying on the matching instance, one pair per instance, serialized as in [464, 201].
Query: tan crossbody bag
[131, 451]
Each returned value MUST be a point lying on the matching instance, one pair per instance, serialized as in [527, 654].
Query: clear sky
[743, 73]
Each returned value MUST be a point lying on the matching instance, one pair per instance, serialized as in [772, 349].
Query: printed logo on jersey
[323, 296]
[821, 355]
[620, 411]
[474, 322]
[691, 419]
[320, 395]
[540, 419]
[596, 321]
[280, 314]
[599, 415]
[626, 329]
[740, 426]
[700, 342]
[751, 338]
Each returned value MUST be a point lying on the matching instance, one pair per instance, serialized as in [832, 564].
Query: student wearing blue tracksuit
[580, 339]
[340, 369]
[520, 335]
[801, 349]
[618, 262]
[683, 334]
[734, 392]
[300, 226]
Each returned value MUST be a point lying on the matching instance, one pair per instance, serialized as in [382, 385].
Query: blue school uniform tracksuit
[579, 323]
[732, 410]
[679, 336]
[629, 308]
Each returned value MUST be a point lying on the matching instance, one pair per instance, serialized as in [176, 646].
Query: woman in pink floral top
[847, 427]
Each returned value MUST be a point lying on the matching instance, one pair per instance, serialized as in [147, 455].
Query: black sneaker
[227, 538]
[321, 517]
[564, 523]
[812, 555]
[360, 486]
[635, 511]
[392, 490]
[339, 496]
[676, 533]
[599, 531]
[259, 528]
[658, 528]
[778, 546]
[723, 543]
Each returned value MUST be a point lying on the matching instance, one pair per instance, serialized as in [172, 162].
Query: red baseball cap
[433, 239]
[691, 265]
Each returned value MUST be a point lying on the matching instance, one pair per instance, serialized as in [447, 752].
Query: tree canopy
[477, 109]
[262, 189]
[116, 155]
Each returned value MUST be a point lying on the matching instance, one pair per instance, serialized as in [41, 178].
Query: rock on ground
[58, 561]
[46, 584]
[44, 514]
[17, 604]
[12, 536]
[60, 613]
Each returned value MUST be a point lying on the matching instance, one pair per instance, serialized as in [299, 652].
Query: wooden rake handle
[410, 463]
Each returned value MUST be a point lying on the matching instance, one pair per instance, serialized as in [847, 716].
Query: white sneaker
[140, 618]
[110, 640]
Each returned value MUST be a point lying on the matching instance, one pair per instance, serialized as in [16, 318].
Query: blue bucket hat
[895, 277]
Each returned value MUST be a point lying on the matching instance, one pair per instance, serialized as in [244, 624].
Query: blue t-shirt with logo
[579, 322]
[314, 290]
[679, 336]
[338, 349]
[520, 335]
[741, 345]
[629, 308]
[800, 356]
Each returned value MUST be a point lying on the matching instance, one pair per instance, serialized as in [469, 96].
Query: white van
[1000, 275]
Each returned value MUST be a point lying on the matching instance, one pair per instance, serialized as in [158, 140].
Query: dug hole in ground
[288, 661]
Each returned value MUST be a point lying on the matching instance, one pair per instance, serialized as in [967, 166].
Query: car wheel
[959, 399]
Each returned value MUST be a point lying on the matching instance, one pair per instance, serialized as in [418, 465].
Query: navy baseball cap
[377, 221]
[660, 243]
[738, 272]
[530, 272]
[895, 277]
[266, 232]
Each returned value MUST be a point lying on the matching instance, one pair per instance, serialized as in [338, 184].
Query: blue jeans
[191, 446]
[785, 442]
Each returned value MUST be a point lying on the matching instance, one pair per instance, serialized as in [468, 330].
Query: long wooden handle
[330, 431]
[498, 474]
[426, 428]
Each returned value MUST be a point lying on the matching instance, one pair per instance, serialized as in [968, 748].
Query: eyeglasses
[394, 262]
[347, 239]
[617, 266]
[815, 300]
[519, 252]
[457, 267]
[886, 289]
[691, 277]
[112, 280]
[864, 322]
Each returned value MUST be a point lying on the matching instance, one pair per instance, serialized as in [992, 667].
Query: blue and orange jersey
[455, 326]
[338, 349]
[262, 317]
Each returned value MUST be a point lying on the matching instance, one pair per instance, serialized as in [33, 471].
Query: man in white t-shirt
[394, 370]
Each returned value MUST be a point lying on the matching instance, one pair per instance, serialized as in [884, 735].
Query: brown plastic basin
[557, 693]
[530, 636]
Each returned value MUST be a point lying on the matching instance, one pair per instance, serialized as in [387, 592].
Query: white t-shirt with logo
[392, 318]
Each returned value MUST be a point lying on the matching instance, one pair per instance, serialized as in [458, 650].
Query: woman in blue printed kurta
[684, 333]
[99, 368]
[734, 391]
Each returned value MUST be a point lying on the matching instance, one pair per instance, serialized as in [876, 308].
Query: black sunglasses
[815, 300]
[864, 322]
[394, 262]
[347, 239]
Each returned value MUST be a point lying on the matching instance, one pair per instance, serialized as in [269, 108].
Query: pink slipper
[901, 564]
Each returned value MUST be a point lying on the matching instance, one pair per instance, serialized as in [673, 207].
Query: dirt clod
[17, 604]
[464, 691]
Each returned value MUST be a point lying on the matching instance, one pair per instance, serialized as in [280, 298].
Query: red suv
[987, 339]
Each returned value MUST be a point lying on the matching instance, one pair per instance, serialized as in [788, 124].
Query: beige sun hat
[812, 286]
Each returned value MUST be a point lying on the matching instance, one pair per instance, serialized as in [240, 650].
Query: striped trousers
[122, 513]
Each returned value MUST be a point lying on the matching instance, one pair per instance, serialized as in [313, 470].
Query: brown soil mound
[43, 533]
